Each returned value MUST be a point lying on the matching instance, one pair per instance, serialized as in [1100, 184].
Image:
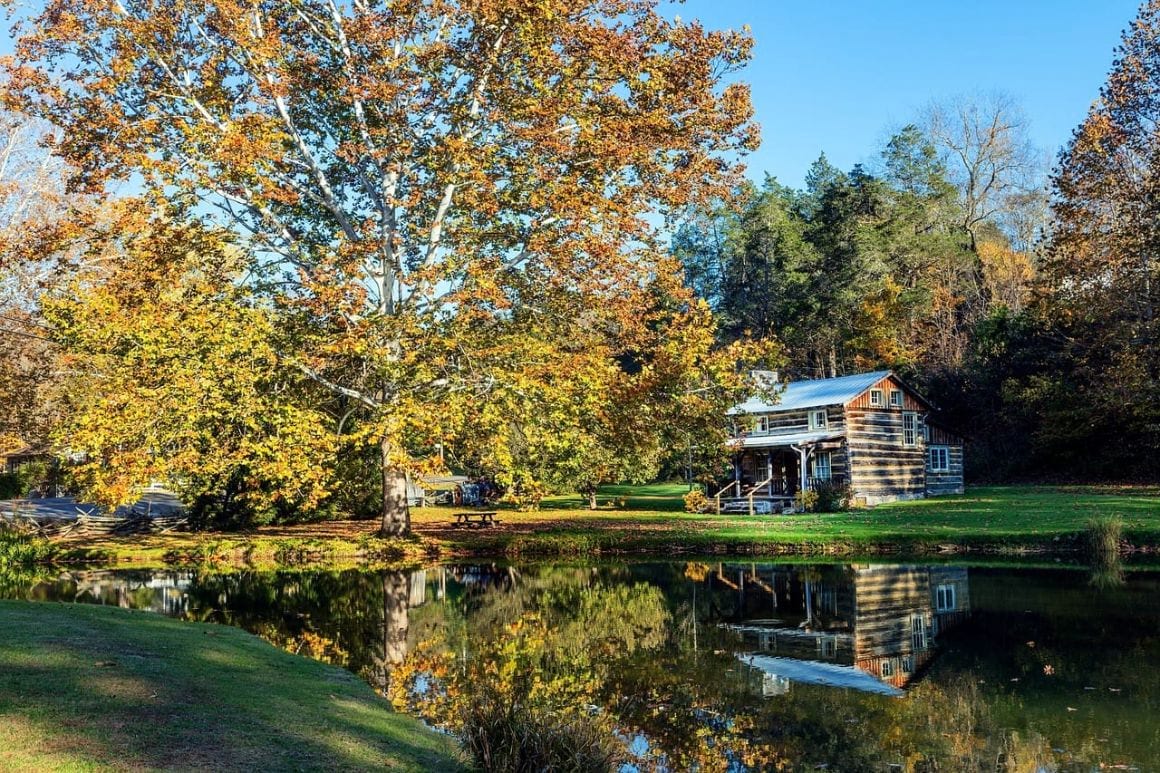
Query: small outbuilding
[14, 460]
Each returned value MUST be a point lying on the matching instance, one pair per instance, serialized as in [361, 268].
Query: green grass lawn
[652, 521]
[652, 517]
[650, 496]
[93, 688]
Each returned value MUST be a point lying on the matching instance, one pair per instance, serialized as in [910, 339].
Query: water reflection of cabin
[870, 431]
[878, 622]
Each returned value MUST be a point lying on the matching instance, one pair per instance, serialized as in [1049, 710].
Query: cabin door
[783, 466]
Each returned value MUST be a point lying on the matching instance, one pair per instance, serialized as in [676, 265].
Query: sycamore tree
[32, 200]
[615, 414]
[168, 370]
[452, 204]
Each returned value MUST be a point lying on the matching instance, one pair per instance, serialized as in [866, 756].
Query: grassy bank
[649, 519]
[987, 520]
[96, 688]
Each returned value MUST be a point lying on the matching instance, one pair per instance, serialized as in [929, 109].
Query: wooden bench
[477, 518]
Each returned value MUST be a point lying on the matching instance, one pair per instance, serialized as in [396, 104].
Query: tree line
[1020, 299]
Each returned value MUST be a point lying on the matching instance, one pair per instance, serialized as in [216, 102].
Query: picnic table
[477, 518]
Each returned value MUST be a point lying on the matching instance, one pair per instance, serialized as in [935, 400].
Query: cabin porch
[767, 479]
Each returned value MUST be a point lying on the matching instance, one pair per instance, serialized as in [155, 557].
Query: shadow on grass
[107, 688]
[662, 497]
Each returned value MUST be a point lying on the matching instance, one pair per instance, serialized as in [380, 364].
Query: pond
[731, 665]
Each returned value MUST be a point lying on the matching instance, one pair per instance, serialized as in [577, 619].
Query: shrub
[696, 501]
[806, 501]
[831, 497]
[40, 478]
[825, 497]
[23, 550]
[524, 493]
[37, 477]
[1102, 538]
[505, 737]
[11, 485]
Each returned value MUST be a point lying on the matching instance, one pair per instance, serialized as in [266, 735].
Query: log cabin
[871, 432]
[872, 628]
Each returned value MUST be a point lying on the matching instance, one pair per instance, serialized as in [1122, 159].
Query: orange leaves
[1008, 274]
[451, 205]
[175, 375]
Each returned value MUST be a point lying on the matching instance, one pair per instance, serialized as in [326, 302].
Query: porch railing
[732, 484]
[753, 492]
[770, 488]
[833, 480]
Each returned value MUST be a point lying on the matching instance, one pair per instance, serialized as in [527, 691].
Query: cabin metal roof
[798, 395]
[794, 439]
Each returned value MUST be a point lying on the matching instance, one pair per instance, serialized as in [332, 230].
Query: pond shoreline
[260, 551]
[1017, 521]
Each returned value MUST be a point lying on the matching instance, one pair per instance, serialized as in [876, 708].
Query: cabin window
[763, 424]
[909, 429]
[908, 665]
[827, 598]
[895, 398]
[940, 459]
[944, 600]
[818, 419]
[822, 466]
[917, 633]
[876, 397]
[887, 668]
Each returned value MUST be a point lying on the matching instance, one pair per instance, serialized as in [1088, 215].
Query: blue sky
[839, 75]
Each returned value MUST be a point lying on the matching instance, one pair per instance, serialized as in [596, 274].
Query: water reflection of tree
[636, 651]
[396, 600]
[561, 639]
[335, 617]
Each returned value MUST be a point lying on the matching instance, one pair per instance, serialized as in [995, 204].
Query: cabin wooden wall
[942, 437]
[951, 481]
[839, 460]
[887, 598]
[882, 469]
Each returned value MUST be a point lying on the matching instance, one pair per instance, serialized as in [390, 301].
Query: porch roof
[785, 441]
[815, 672]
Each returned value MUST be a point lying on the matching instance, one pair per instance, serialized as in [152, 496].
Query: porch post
[804, 452]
